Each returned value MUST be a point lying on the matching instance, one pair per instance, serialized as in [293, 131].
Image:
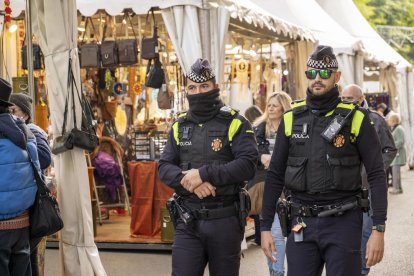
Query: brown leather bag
[149, 45]
[165, 97]
[109, 51]
[89, 52]
[128, 48]
[256, 198]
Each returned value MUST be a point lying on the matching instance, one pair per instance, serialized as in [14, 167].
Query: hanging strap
[151, 11]
[127, 16]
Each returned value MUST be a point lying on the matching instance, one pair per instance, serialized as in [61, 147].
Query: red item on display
[149, 194]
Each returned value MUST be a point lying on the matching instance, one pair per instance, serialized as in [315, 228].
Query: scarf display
[204, 106]
[323, 103]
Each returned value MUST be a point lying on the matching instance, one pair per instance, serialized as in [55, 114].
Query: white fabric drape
[184, 30]
[297, 54]
[198, 33]
[351, 67]
[55, 26]
[389, 81]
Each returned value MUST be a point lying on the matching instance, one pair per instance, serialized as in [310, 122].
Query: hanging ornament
[7, 15]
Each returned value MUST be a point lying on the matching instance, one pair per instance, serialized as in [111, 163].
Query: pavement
[398, 259]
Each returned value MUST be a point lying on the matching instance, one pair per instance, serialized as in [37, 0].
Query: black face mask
[204, 106]
[323, 103]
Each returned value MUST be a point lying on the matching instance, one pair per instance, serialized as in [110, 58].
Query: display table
[148, 195]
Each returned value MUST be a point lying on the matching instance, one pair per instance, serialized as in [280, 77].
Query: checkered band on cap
[320, 64]
[323, 58]
[201, 71]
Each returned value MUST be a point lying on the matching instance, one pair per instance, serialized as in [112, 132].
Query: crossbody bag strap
[65, 114]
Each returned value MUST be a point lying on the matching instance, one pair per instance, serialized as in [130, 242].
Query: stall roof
[353, 21]
[244, 10]
[308, 13]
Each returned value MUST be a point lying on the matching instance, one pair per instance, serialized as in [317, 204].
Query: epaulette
[181, 117]
[299, 106]
[227, 111]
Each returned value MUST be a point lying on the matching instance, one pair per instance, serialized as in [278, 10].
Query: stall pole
[29, 47]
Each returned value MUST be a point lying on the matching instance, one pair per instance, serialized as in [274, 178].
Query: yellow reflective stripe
[297, 104]
[357, 122]
[249, 131]
[234, 127]
[288, 120]
[329, 113]
[233, 112]
[175, 132]
[346, 105]
[182, 114]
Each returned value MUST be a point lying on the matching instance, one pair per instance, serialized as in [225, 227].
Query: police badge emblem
[327, 59]
[216, 145]
[339, 141]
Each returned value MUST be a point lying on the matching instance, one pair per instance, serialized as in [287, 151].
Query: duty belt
[338, 209]
[212, 210]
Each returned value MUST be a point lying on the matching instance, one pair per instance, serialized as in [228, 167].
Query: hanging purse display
[149, 45]
[165, 97]
[128, 48]
[89, 52]
[109, 51]
[37, 55]
[84, 138]
[155, 74]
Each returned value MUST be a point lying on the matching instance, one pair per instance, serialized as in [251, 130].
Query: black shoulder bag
[45, 216]
[87, 139]
[149, 45]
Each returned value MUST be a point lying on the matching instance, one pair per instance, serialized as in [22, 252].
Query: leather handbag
[155, 74]
[128, 48]
[86, 137]
[149, 45]
[165, 97]
[37, 57]
[89, 52]
[45, 218]
[109, 51]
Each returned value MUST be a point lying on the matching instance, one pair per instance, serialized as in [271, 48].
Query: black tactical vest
[315, 165]
[207, 144]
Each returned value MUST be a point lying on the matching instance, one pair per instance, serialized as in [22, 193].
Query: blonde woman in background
[265, 128]
[401, 157]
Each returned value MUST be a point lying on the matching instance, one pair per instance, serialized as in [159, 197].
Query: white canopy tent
[328, 32]
[55, 27]
[396, 73]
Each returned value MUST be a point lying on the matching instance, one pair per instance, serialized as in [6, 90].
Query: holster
[172, 209]
[363, 200]
[244, 206]
[284, 214]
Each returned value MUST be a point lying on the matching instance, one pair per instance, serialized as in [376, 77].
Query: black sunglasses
[323, 73]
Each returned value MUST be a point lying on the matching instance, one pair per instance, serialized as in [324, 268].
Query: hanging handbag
[165, 97]
[128, 48]
[37, 55]
[155, 74]
[109, 51]
[89, 52]
[84, 138]
[149, 45]
[44, 216]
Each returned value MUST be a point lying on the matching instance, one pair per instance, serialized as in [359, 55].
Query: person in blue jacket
[17, 188]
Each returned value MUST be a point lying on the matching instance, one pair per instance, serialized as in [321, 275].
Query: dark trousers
[334, 241]
[216, 242]
[15, 252]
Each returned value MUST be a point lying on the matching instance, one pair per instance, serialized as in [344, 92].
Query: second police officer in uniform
[210, 152]
[322, 143]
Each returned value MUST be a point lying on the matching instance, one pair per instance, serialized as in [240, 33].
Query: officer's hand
[191, 180]
[375, 248]
[268, 245]
[265, 159]
[205, 190]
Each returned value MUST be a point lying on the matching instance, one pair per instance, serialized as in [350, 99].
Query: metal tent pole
[28, 22]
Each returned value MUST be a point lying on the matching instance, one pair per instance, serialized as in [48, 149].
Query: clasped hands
[192, 182]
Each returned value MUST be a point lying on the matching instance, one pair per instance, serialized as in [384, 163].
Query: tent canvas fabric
[55, 26]
[396, 73]
[327, 32]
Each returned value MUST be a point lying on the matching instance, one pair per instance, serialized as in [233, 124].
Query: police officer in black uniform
[210, 152]
[321, 146]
